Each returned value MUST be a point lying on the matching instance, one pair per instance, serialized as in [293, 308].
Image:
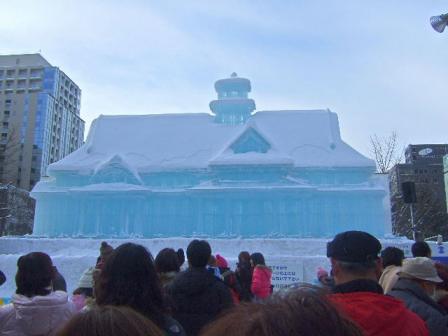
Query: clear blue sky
[378, 64]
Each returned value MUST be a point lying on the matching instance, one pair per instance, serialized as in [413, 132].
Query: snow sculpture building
[226, 174]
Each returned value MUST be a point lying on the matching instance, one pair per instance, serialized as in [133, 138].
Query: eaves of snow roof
[175, 142]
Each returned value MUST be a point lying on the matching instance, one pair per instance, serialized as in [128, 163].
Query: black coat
[198, 297]
[244, 277]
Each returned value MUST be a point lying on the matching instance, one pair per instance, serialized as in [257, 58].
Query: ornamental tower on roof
[233, 106]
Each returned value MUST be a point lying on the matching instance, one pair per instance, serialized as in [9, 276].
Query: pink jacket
[261, 282]
[39, 315]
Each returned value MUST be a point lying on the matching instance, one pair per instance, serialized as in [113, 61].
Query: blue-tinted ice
[226, 174]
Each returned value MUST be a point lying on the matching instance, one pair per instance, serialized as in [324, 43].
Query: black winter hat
[354, 246]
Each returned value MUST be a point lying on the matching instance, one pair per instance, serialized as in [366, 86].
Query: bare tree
[16, 211]
[386, 151]
[430, 216]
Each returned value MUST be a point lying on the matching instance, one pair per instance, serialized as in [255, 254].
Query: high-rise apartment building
[39, 115]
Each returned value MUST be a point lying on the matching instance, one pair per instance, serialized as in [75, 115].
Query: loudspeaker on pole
[408, 192]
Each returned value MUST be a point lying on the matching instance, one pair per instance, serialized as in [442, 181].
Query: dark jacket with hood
[198, 297]
[415, 298]
[243, 274]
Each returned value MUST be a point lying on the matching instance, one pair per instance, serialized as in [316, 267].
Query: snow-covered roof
[166, 142]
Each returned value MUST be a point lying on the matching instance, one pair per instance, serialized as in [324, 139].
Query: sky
[378, 64]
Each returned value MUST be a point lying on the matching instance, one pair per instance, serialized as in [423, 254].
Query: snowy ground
[292, 260]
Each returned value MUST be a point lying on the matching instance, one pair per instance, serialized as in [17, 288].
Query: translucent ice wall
[258, 202]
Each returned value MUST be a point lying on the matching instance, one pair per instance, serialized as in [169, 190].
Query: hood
[377, 313]
[195, 281]
[41, 314]
[263, 269]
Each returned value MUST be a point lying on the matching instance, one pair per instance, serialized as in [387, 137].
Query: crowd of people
[369, 291]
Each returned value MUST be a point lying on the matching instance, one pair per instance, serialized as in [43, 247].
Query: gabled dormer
[250, 141]
[116, 170]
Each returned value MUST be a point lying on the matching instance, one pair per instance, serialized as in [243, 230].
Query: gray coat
[420, 303]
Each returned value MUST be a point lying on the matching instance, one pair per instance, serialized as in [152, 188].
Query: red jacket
[380, 315]
[261, 282]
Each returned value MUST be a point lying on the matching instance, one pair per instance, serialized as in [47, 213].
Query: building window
[9, 84]
[10, 73]
[21, 84]
[23, 72]
[36, 72]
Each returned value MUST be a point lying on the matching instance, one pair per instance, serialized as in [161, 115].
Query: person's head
[392, 256]
[221, 262]
[421, 249]
[211, 261]
[129, 278]
[105, 252]
[198, 253]
[257, 259]
[354, 255]
[321, 273]
[244, 257]
[110, 321]
[35, 273]
[301, 313]
[181, 256]
[422, 271]
[85, 283]
[167, 261]
[2, 278]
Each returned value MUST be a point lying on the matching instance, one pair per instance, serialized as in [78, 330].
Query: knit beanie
[86, 280]
[221, 262]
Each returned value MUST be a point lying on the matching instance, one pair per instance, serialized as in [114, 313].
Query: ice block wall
[212, 205]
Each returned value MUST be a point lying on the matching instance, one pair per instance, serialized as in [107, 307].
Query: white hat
[86, 280]
[419, 268]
